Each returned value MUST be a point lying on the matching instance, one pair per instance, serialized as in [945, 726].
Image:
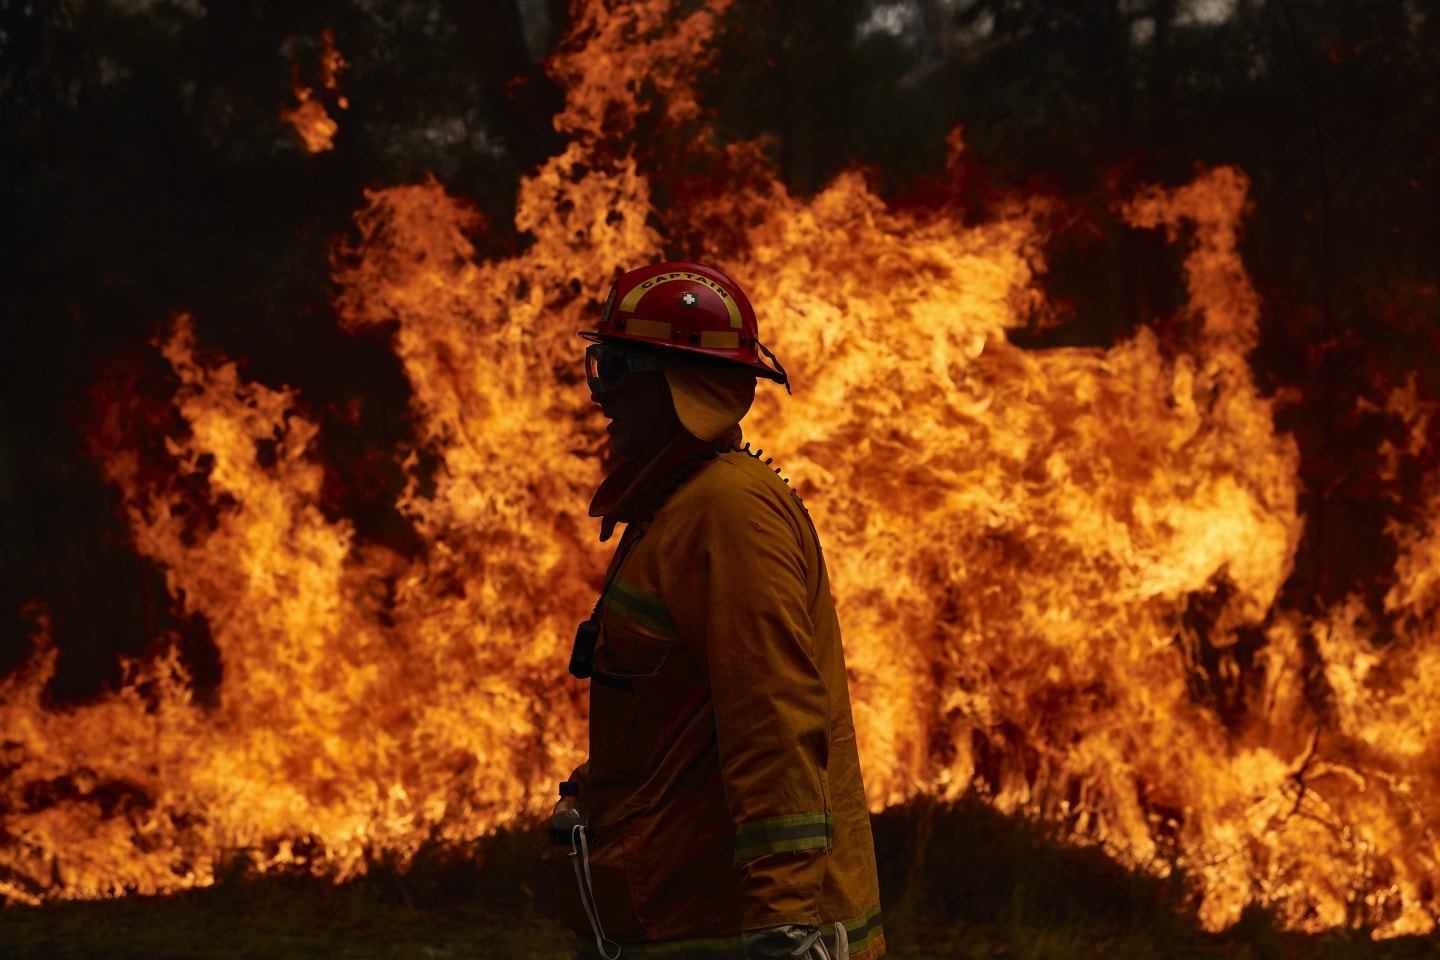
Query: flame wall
[1019, 542]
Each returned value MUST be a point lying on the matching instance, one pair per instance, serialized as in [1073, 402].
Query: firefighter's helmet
[685, 306]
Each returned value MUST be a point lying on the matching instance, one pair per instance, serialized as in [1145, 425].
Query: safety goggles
[607, 367]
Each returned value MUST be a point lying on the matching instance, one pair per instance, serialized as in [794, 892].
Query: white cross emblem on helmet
[689, 299]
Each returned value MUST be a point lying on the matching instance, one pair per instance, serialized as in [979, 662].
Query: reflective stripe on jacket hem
[864, 932]
[793, 831]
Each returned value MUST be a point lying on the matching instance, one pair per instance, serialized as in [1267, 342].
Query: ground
[987, 886]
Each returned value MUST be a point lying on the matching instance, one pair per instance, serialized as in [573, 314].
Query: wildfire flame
[308, 116]
[1032, 551]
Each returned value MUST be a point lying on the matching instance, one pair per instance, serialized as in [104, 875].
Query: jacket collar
[632, 489]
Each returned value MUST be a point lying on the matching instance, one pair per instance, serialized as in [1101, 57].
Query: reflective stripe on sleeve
[641, 606]
[793, 831]
[863, 932]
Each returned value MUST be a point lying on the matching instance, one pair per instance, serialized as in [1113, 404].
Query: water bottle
[568, 813]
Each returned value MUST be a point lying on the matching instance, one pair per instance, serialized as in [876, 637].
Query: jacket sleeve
[737, 592]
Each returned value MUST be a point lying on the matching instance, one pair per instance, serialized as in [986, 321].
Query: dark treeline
[144, 169]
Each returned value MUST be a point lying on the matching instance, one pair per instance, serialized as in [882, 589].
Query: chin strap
[784, 377]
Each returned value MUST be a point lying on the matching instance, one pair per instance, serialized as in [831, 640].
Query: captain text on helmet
[726, 815]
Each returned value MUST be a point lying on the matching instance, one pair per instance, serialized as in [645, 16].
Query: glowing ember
[308, 116]
[1044, 560]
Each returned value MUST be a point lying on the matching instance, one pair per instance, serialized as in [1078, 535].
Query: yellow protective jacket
[723, 783]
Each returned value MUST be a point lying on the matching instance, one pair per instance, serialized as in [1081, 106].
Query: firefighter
[726, 813]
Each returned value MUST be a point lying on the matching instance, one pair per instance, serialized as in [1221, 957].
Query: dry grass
[961, 882]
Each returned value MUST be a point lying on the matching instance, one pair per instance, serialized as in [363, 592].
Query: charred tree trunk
[519, 97]
[936, 24]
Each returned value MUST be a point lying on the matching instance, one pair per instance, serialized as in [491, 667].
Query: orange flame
[308, 116]
[1032, 551]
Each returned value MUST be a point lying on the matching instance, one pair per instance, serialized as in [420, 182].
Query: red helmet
[685, 306]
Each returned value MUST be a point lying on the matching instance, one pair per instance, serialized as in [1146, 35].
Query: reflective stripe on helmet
[632, 299]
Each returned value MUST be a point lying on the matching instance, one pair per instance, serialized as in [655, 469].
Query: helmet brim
[695, 353]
